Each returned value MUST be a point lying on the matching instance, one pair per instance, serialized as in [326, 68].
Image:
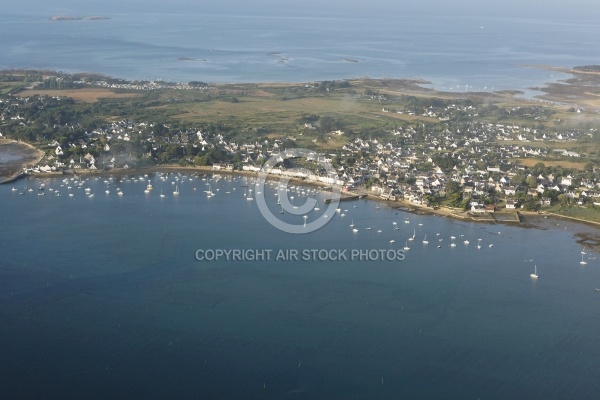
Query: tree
[589, 167]
[328, 124]
[452, 187]
[562, 198]
[370, 182]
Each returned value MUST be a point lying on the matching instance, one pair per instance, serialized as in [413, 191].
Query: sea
[453, 52]
[133, 296]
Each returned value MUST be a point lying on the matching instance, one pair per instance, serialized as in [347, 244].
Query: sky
[560, 9]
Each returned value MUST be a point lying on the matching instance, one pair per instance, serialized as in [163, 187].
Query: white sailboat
[413, 236]
[425, 241]
[176, 192]
[209, 192]
[534, 275]
[161, 194]
[582, 262]
[406, 246]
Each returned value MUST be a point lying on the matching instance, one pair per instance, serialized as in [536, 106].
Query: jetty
[344, 198]
[14, 177]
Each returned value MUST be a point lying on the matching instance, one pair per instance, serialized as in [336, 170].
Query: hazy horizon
[584, 9]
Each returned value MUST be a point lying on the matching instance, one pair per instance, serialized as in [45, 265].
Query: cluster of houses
[416, 163]
[118, 84]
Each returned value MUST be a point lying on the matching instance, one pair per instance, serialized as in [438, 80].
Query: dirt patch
[88, 95]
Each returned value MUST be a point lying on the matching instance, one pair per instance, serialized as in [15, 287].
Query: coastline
[584, 232]
[29, 155]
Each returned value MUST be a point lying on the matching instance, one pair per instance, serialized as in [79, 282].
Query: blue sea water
[103, 298]
[453, 52]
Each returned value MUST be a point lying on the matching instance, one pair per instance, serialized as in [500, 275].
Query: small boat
[392, 241]
[406, 246]
[161, 194]
[354, 230]
[582, 262]
[534, 275]
[14, 189]
[176, 192]
[425, 241]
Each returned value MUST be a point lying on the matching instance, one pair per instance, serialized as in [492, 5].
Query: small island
[72, 18]
[191, 59]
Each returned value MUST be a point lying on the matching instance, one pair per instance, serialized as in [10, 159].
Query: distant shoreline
[71, 18]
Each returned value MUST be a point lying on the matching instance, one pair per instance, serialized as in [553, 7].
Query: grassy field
[280, 109]
[530, 162]
[578, 212]
[87, 95]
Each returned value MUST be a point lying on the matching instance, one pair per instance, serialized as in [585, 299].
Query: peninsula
[478, 153]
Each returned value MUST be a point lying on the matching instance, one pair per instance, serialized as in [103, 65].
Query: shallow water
[454, 53]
